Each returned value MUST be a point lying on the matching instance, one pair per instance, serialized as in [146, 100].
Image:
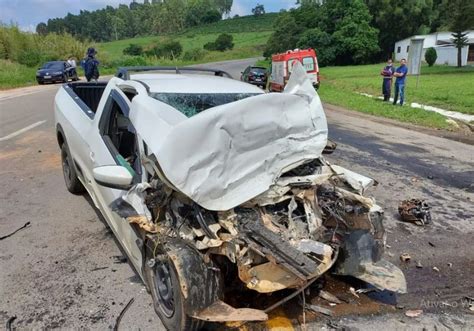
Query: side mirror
[113, 176]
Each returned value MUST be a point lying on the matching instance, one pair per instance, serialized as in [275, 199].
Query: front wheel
[202, 284]
[73, 184]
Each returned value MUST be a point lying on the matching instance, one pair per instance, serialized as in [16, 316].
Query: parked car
[56, 71]
[255, 76]
[211, 199]
[283, 63]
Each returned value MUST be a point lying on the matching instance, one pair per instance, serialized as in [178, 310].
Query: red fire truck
[283, 62]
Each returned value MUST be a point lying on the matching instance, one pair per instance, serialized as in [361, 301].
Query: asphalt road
[63, 270]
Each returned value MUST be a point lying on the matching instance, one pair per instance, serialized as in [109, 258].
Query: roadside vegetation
[445, 87]
[440, 86]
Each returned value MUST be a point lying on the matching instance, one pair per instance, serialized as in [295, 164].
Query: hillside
[250, 35]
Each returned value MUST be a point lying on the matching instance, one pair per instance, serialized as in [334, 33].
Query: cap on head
[91, 51]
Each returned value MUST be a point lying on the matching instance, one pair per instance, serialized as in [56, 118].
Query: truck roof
[194, 83]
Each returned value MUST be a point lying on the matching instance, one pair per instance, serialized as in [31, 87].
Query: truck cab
[282, 65]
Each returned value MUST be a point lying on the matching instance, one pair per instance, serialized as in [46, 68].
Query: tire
[40, 83]
[65, 78]
[73, 184]
[165, 286]
[75, 78]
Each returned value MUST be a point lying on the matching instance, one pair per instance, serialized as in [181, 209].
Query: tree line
[150, 17]
[365, 31]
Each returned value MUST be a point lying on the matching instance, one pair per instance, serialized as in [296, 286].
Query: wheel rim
[164, 288]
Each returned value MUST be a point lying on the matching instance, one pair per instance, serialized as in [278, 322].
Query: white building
[442, 42]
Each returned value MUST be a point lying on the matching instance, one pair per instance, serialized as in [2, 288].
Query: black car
[255, 75]
[56, 71]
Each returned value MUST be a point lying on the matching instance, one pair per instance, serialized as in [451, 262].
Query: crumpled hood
[229, 154]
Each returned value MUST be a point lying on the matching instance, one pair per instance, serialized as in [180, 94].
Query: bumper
[51, 79]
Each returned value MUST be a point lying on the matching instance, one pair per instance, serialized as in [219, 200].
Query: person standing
[91, 65]
[387, 73]
[400, 73]
[72, 62]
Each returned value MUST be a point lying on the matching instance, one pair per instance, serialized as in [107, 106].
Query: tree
[258, 10]
[322, 42]
[356, 39]
[42, 29]
[399, 19]
[285, 37]
[459, 17]
[223, 42]
[133, 49]
[431, 56]
[223, 6]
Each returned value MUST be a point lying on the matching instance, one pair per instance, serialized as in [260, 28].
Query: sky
[28, 13]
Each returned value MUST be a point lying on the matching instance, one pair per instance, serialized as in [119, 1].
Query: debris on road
[353, 292]
[10, 322]
[436, 269]
[319, 309]
[414, 313]
[120, 259]
[328, 297]
[122, 313]
[419, 265]
[405, 257]
[415, 211]
[27, 224]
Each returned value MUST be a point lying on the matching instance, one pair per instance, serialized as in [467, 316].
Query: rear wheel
[73, 184]
[65, 78]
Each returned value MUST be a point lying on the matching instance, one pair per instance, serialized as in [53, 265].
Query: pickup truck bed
[86, 95]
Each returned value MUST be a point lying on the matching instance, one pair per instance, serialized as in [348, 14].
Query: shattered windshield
[191, 104]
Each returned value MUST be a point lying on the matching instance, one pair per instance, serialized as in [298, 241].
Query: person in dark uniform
[91, 65]
[387, 74]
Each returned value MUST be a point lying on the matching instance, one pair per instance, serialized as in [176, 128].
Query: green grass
[333, 94]
[445, 87]
[246, 44]
[15, 75]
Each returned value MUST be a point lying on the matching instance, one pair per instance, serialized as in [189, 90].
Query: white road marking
[16, 133]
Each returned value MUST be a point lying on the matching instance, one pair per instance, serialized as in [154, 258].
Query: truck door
[116, 143]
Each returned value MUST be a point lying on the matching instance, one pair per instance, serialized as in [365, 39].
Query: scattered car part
[413, 313]
[122, 313]
[27, 224]
[320, 309]
[405, 257]
[329, 297]
[10, 322]
[415, 211]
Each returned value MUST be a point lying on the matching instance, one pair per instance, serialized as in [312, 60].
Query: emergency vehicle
[282, 64]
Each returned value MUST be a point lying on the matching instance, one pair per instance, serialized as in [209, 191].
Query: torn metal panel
[234, 152]
[269, 277]
[415, 211]
[361, 257]
[221, 312]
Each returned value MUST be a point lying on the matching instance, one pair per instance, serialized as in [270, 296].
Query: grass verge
[15, 75]
[445, 87]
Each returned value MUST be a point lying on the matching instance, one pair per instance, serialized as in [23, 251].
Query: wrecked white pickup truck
[211, 185]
